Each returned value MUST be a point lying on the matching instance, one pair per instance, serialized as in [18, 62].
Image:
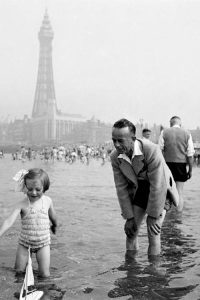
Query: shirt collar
[176, 125]
[136, 152]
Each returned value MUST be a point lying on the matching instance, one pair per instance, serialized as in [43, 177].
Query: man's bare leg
[154, 248]
[179, 186]
[132, 243]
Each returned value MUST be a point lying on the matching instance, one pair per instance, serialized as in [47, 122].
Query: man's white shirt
[136, 151]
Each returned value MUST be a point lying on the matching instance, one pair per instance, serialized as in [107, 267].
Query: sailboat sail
[28, 290]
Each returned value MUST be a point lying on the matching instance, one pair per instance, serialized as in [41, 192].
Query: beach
[88, 252]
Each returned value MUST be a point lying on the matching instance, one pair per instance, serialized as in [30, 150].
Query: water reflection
[50, 289]
[157, 280]
[139, 282]
[176, 245]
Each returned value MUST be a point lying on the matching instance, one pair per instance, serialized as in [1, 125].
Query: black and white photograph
[99, 149]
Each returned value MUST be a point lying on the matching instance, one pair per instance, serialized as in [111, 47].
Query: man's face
[147, 134]
[123, 140]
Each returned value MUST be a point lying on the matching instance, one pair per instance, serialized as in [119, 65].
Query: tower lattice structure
[48, 124]
[45, 100]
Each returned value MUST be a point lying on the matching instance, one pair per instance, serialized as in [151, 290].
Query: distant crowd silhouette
[69, 154]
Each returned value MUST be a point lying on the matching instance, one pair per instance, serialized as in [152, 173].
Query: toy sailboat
[28, 291]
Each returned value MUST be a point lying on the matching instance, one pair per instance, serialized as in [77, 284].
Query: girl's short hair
[38, 173]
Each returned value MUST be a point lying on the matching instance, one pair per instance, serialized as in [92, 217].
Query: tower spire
[45, 92]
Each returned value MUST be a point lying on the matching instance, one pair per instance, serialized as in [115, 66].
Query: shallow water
[88, 252]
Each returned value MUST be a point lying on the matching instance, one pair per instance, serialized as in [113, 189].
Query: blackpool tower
[45, 91]
[48, 124]
[44, 113]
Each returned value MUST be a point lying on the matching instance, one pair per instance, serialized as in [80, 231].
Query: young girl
[36, 212]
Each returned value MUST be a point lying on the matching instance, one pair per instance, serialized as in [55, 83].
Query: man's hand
[190, 166]
[130, 227]
[154, 225]
[189, 174]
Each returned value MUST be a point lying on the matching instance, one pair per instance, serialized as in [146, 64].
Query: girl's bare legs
[21, 259]
[43, 260]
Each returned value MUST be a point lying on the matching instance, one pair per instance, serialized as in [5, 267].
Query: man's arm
[161, 141]
[161, 182]
[157, 179]
[124, 198]
[190, 147]
[121, 185]
[190, 153]
[190, 165]
[154, 224]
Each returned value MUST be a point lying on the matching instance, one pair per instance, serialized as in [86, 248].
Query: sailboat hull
[28, 290]
[33, 296]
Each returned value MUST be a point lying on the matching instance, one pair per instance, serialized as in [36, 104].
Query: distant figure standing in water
[144, 185]
[178, 150]
[36, 211]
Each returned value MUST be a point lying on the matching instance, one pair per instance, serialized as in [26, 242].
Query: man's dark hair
[175, 120]
[146, 130]
[175, 117]
[122, 123]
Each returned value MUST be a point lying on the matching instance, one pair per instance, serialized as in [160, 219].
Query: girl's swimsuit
[35, 231]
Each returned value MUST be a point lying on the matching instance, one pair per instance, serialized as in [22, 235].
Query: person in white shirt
[178, 150]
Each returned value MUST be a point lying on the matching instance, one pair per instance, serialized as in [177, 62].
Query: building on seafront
[48, 125]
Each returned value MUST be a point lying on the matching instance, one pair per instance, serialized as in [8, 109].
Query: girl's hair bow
[19, 179]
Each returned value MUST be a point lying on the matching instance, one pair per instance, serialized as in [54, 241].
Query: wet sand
[88, 252]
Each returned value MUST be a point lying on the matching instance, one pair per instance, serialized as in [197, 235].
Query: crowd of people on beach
[69, 154]
[196, 158]
[83, 153]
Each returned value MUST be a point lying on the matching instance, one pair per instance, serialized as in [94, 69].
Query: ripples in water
[88, 258]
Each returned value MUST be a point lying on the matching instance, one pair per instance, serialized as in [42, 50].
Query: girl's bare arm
[52, 217]
[9, 221]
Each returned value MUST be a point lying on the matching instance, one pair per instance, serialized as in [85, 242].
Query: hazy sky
[111, 58]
